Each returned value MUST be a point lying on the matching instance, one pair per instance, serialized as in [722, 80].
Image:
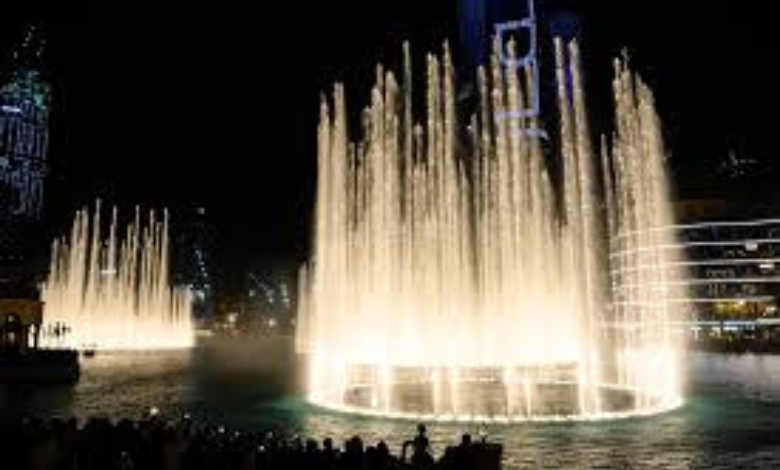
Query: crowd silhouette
[154, 444]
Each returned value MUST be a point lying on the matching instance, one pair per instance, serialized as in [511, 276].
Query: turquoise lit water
[731, 418]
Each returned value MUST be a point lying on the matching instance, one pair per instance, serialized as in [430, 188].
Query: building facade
[24, 137]
[24, 132]
[732, 260]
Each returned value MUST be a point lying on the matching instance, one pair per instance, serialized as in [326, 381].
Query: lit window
[11, 109]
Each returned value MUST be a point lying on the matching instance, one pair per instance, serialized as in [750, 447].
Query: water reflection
[254, 386]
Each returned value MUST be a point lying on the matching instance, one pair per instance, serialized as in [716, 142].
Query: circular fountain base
[491, 395]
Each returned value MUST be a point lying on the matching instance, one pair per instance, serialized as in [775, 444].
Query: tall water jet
[471, 280]
[108, 291]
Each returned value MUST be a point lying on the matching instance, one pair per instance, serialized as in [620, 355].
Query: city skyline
[186, 109]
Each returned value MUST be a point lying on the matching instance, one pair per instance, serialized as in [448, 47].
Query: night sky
[215, 103]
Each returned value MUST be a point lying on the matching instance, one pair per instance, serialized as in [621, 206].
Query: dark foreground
[730, 418]
[39, 367]
[153, 444]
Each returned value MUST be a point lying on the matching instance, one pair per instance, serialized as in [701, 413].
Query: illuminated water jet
[114, 292]
[469, 281]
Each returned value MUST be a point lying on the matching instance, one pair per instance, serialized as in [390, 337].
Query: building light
[11, 109]
[767, 266]
[751, 246]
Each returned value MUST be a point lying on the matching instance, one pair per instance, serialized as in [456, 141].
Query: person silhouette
[421, 455]
[464, 456]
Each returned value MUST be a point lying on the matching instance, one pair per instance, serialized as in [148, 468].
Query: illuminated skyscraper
[505, 21]
[193, 262]
[530, 26]
[24, 125]
[24, 116]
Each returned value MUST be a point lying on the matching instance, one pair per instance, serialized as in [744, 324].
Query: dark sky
[215, 103]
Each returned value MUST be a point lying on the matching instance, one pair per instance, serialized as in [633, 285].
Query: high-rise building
[507, 22]
[24, 130]
[529, 26]
[24, 116]
[193, 264]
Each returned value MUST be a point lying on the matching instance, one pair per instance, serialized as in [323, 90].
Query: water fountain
[114, 292]
[470, 281]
